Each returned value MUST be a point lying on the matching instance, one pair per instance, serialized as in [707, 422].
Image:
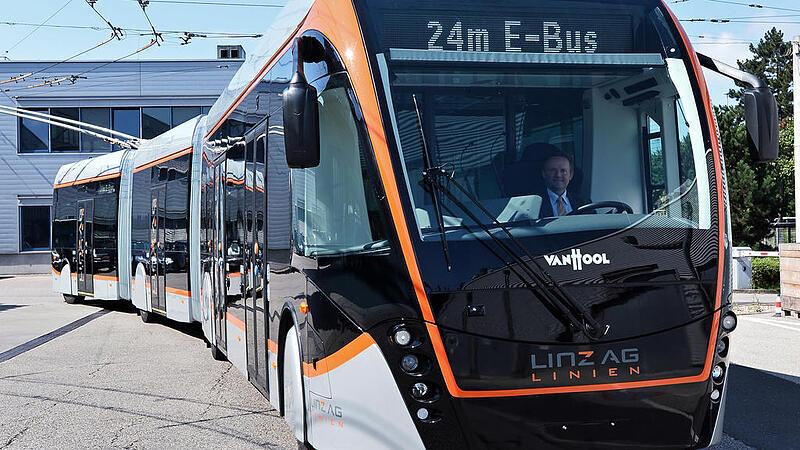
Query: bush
[766, 273]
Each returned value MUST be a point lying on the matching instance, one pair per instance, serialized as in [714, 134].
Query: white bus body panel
[236, 342]
[62, 282]
[105, 289]
[178, 307]
[140, 294]
[366, 410]
[125, 199]
[195, 186]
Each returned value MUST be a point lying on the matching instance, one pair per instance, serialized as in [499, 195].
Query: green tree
[759, 193]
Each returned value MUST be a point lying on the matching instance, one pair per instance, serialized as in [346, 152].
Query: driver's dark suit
[575, 201]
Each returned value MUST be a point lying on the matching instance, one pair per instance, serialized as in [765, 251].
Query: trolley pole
[796, 115]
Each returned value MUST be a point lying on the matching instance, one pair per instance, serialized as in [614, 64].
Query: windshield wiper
[570, 310]
[426, 176]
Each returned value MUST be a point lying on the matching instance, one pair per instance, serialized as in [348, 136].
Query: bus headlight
[402, 337]
[715, 395]
[409, 363]
[729, 321]
[419, 390]
[722, 347]
[718, 373]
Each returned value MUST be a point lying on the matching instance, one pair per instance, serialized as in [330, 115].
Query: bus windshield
[552, 123]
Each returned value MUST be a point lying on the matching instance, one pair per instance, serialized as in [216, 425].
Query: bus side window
[335, 204]
[656, 169]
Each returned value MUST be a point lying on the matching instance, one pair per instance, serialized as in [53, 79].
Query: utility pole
[796, 115]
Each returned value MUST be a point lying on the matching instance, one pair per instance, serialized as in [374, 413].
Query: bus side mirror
[761, 121]
[301, 123]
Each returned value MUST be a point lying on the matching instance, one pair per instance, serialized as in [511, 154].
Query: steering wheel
[591, 208]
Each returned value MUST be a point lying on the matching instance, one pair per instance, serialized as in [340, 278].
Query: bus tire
[293, 395]
[72, 299]
[147, 316]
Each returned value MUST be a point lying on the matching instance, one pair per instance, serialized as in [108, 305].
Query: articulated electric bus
[444, 224]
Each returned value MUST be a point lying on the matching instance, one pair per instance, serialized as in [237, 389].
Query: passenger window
[335, 203]
[656, 183]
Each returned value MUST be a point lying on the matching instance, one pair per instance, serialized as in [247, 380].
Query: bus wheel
[72, 299]
[146, 316]
[294, 405]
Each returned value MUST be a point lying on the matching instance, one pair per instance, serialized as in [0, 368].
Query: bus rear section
[85, 220]
[563, 202]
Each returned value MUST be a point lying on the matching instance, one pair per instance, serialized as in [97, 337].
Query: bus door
[84, 261]
[256, 309]
[158, 197]
[219, 278]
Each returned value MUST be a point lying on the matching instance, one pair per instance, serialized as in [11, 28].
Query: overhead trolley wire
[38, 26]
[209, 3]
[19, 78]
[116, 30]
[156, 35]
[74, 77]
[215, 34]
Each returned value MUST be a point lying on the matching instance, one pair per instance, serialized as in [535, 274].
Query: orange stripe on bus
[234, 275]
[178, 292]
[87, 180]
[235, 321]
[57, 272]
[339, 23]
[169, 157]
[105, 277]
[341, 356]
[715, 151]
[272, 346]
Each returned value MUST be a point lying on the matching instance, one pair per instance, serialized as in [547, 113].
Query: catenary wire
[38, 26]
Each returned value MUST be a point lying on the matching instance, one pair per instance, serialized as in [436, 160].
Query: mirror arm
[731, 72]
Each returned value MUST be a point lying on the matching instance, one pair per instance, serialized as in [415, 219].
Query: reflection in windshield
[539, 145]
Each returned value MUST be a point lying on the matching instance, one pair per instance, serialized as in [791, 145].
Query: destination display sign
[540, 33]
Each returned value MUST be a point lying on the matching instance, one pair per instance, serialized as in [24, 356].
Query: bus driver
[557, 172]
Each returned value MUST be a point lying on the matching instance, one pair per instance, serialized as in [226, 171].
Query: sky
[18, 41]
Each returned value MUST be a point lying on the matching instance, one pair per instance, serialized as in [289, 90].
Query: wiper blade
[427, 176]
[573, 311]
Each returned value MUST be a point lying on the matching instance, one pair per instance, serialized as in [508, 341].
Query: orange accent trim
[235, 321]
[87, 180]
[339, 23]
[272, 346]
[234, 275]
[105, 277]
[169, 157]
[55, 272]
[341, 356]
[178, 292]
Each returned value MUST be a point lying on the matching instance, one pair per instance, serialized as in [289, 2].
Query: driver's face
[557, 173]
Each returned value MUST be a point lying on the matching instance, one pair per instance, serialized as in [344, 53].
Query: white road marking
[768, 322]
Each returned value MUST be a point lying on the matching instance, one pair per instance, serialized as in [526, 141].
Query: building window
[34, 228]
[126, 120]
[100, 117]
[155, 121]
[63, 139]
[181, 114]
[34, 136]
[147, 122]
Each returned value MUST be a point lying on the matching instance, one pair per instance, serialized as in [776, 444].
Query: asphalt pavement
[93, 375]
[115, 382]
